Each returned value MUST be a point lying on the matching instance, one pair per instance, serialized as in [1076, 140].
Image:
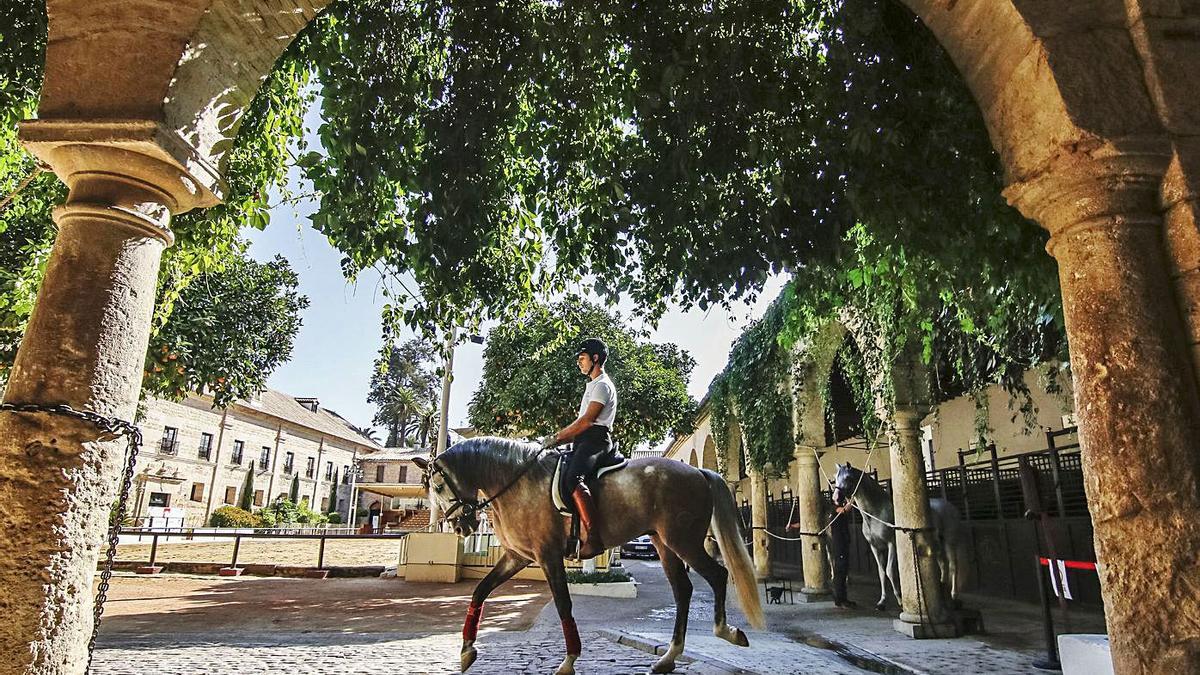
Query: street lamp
[435, 510]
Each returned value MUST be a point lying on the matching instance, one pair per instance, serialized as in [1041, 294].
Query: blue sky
[340, 335]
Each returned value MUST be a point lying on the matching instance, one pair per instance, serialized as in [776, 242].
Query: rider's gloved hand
[550, 441]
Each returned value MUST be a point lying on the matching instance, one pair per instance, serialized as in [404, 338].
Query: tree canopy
[230, 330]
[532, 387]
[503, 152]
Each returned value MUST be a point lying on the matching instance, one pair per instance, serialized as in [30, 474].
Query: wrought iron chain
[109, 425]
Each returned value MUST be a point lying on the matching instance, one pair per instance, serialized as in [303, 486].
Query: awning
[415, 490]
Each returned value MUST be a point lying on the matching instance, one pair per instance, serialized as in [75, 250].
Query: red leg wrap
[471, 625]
[571, 633]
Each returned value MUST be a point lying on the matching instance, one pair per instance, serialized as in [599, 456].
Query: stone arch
[692, 459]
[708, 456]
[1090, 104]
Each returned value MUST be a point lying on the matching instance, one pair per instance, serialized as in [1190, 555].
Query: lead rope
[110, 425]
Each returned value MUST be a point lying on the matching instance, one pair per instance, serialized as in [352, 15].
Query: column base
[815, 595]
[925, 631]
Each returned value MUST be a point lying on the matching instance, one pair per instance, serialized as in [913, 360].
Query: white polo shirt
[603, 391]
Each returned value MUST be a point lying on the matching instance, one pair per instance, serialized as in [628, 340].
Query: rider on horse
[591, 435]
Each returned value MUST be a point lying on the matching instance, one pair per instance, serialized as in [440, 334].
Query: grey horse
[871, 498]
[672, 502]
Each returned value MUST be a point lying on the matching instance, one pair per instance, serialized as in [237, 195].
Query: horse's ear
[421, 462]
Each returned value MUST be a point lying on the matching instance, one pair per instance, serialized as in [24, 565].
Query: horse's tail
[725, 523]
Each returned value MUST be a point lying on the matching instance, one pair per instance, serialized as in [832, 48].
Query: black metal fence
[998, 541]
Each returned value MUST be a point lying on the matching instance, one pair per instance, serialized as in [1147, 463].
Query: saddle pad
[560, 466]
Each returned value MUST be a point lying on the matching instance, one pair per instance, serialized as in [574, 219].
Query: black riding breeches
[840, 548]
[589, 447]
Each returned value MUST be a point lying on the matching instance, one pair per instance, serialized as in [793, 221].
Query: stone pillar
[758, 521]
[1135, 397]
[922, 607]
[813, 554]
[85, 346]
[1181, 221]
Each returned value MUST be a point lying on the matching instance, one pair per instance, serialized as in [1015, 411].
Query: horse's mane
[485, 460]
[862, 482]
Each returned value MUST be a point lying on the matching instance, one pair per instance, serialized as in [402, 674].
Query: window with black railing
[328, 470]
[205, 450]
[239, 448]
[289, 462]
[345, 474]
[310, 467]
[169, 444]
[264, 458]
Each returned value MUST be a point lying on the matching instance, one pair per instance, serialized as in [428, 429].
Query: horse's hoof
[739, 638]
[881, 606]
[567, 667]
[467, 658]
[664, 665]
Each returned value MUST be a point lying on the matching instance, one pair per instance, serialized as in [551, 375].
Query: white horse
[871, 499]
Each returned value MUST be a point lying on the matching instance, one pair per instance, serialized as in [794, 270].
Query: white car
[641, 547]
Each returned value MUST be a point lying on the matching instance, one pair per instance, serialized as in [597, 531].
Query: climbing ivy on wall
[754, 389]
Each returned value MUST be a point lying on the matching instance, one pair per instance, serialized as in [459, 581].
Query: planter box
[618, 589]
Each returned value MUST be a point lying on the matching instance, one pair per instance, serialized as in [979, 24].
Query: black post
[996, 481]
[153, 550]
[1051, 661]
[962, 483]
[321, 554]
[1055, 470]
[237, 543]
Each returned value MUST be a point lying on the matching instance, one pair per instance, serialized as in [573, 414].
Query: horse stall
[999, 543]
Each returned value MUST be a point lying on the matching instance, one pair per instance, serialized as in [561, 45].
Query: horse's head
[456, 506]
[845, 481]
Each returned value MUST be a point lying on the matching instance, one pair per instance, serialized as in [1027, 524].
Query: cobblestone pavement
[331, 628]
[510, 653]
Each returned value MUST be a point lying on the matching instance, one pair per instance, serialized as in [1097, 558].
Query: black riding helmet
[595, 348]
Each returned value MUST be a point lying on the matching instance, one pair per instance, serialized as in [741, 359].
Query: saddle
[611, 461]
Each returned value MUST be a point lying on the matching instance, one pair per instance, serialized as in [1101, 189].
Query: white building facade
[196, 459]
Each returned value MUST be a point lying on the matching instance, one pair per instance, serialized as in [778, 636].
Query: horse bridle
[471, 507]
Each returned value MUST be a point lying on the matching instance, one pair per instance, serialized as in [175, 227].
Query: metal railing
[322, 535]
[168, 446]
[264, 464]
[205, 451]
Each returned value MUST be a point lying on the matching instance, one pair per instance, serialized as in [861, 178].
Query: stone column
[758, 521]
[1135, 397]
[85, 346]
[922, 607]
[813, 554]
[1181, 221]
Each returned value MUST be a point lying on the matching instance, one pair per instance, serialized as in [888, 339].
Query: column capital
[1113, 185]
[908, 417]
[133, 171]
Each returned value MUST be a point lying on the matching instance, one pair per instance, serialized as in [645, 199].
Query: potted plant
[613, 583]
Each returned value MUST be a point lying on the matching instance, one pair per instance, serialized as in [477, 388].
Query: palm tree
[368, 433]
[401, 410]
[430, 419]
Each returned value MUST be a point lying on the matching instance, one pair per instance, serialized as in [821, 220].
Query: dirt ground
[338, 552]
[172, 604]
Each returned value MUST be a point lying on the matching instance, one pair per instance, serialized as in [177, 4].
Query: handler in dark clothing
[839, 540]
[839, 549]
